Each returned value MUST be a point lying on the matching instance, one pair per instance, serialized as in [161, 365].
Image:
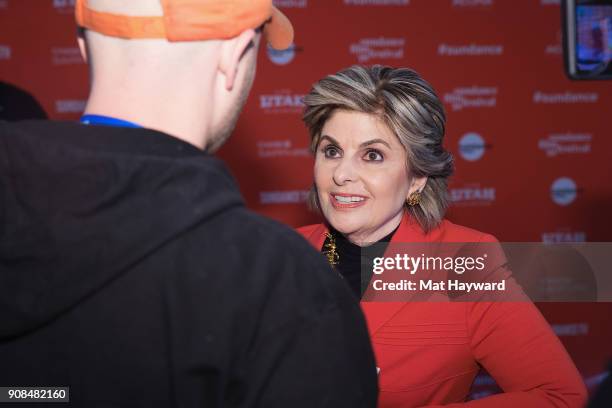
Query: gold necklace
[331, 250]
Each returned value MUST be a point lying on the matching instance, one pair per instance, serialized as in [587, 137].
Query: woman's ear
[417, 184]
[232, 51]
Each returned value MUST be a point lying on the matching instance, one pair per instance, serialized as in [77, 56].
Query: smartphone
[587, 38]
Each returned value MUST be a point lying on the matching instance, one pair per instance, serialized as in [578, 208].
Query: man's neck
[179, 110]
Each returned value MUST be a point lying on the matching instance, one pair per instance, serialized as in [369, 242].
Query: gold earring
[330, 253]
[414, 199]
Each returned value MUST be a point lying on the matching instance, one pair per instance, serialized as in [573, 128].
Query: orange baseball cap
[193, 20]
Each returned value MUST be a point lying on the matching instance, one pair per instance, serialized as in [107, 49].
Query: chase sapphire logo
[563, 191]
[282, 57]
[471, 146]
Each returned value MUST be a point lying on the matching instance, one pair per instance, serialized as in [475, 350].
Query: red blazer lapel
[377, 313]
[315, 234]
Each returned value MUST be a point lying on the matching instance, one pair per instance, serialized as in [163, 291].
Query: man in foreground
[130, 270]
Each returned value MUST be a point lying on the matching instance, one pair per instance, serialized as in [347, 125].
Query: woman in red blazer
[380, 176]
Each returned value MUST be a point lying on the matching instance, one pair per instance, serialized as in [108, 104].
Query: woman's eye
[373, 155]
[331, 151]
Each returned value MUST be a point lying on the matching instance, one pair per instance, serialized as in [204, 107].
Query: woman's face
[361, 176]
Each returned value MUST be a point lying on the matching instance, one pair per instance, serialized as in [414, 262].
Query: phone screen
[588, 38]
[594, 39]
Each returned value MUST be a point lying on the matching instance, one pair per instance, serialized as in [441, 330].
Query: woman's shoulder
[452, 232]
[446, 231]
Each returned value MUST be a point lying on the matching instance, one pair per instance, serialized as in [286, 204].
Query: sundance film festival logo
[472, 97]
[70, 106]
[565, 235]
[377, 2]
[291, 3]
[470, 50]
[566, 143]
[472, 3]
[5, 52]
[281, 102]
[64, 6]
[472, 195]
[565, 97]
[283, 197]
[472, 146]
[563, 191]
[283, 57]
[66, 56]
[280, 148]
[378, 48]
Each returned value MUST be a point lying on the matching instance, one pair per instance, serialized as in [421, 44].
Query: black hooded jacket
[131, 272]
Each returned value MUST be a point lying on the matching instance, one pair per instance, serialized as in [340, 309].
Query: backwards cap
[193, 20]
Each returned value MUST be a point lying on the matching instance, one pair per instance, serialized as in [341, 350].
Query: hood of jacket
[80, 204]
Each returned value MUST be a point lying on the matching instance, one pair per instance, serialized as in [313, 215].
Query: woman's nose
[344, 172]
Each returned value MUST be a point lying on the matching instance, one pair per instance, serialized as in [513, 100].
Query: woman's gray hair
[409, 106]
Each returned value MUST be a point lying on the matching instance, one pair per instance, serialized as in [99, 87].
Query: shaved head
[193, 90]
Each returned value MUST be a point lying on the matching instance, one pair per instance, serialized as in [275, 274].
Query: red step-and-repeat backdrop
[532, 148]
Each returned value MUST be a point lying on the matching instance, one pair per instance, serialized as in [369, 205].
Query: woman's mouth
[347, 200]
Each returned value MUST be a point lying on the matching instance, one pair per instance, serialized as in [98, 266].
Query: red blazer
[429, 353]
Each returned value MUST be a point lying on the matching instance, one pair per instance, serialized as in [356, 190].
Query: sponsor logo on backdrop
[571, 329]
[280, 148]
[563, 191]
[550, 2]
[458, 50]
[471, 97]
[5, 52]
[560, 236]
[283, 197]
[66, 56]
[556, 48]
[566, 143]
[70, 105]
[472, 3]
[282, 101]
[472, 195]
[283, 57]
[64, 6]
[565, 97]
[377, 2]
[472, 146]
[291, 3]
[378, 48]
[3, 4]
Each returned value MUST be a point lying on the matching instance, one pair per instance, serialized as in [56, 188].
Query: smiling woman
[361, 176]
[380, 176]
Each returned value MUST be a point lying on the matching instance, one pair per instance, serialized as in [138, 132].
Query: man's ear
[232, 51]
[417, 184]
[82, 44]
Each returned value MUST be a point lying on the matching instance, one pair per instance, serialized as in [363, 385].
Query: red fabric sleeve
[516, 345]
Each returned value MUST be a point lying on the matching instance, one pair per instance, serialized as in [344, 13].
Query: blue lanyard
[107, 121]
